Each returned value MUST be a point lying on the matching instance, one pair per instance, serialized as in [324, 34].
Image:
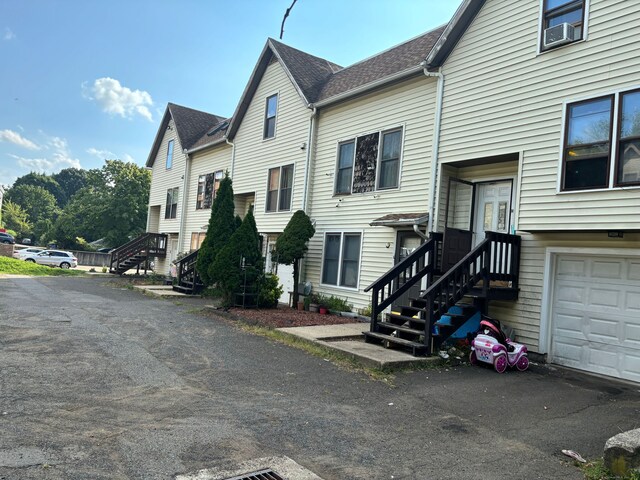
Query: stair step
[400, 328]
[417, 348]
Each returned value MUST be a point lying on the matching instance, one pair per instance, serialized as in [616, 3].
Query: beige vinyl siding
[524, 314]
[163, 179]
[255, 156]
[201, 163]
[409, 105]
[501, 96]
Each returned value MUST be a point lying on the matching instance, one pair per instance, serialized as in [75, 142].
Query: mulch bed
[282, 317]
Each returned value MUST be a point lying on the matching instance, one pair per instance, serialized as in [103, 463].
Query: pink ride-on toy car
[492, 346]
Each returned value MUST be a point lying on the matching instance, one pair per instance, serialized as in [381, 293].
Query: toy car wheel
[473, 358]
[500, 364]
[523, 364]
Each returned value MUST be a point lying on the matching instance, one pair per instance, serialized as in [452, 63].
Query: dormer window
[563, 21]
[270, 117]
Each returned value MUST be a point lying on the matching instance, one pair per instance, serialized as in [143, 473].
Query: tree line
[75, 207]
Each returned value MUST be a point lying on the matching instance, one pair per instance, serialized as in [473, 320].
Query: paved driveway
[100, 382]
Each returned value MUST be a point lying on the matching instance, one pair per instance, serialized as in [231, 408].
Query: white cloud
[8, 34]
[116, 99]
[17, 139]
[101, 154]
[60, 158]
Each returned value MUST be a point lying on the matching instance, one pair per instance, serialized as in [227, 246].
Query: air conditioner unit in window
[559, 35]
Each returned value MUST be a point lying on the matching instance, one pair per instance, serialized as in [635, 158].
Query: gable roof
[320, 82]
[461, 20]
[398, 61]
[190, 125]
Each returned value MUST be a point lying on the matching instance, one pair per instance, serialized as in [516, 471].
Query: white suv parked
[53, 258]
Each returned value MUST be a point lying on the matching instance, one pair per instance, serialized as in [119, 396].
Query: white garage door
[596, 315]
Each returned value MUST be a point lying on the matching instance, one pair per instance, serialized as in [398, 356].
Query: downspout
[435, 144]
[185, 186]
[307, 166]
[233, 155]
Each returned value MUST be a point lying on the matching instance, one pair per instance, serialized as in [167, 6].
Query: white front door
[493, 209]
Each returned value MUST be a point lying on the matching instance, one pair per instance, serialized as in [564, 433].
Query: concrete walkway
[348, 339]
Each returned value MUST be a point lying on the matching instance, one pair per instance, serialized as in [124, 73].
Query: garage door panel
[571, 267]
[634, 270]
[607, 269]
[596, 314]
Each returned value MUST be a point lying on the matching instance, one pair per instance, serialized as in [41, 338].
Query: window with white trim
[207, 187]
[558, 12]
[341, 259]
[592, 147]
[279, 189]
[171, 207]
[369, 162]
[270, 117]
[169, 162]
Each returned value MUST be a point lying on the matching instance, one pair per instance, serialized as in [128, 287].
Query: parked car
[25, 252]
[53, 258]
[6, 238]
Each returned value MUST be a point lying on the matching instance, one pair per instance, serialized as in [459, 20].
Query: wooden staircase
[488, 272]
[137, 253]
[188, 281]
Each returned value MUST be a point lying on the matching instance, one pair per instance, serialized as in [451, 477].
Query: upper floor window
[169, 154]
[591, 143]
[563, 22]
[270, 116]
[207, 187]
[370, 162]
[341, 259]
[280, 189]
[171, 207]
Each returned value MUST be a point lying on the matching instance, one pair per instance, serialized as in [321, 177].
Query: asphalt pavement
[102, 382]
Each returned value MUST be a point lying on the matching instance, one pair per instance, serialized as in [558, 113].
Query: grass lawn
[20, 267]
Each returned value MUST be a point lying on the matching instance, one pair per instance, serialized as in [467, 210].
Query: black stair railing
[186, 272]
[496, 258]
[402, 276]
[147, 244]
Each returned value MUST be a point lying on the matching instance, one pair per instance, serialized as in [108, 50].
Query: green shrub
[270, 291]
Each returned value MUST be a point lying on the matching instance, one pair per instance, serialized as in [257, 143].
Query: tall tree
[240, 260]
[15, 218]
[47, 182]
[222, 224]
[71, 180]
[292, 245]
[39, 204]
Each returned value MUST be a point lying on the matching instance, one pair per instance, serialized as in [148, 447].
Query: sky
[87, 80]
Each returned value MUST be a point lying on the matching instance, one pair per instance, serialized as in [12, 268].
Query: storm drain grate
[267, 474]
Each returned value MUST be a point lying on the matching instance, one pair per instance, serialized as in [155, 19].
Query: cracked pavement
[102, 382]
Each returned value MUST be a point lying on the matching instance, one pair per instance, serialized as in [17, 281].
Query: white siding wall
[255, 156]
[411, 105]
[163, 179]
[203, 162]
[503, 97]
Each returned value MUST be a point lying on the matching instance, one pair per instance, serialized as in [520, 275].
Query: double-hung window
[558, 12]
[341, 259]
[369, 162]
[169, 162]
[207, 188]
[171, 207]
[593, 147]
[279, 189]
[270, 117]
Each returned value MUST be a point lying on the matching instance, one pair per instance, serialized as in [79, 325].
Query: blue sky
[85, 80]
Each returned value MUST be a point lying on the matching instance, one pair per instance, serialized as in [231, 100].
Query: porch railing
[422, 262]
[495, 259]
